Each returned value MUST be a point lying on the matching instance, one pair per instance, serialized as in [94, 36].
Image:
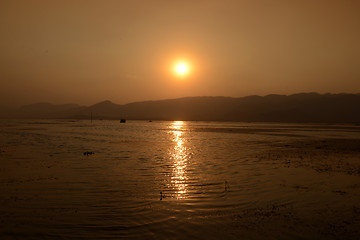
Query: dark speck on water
[88, 153]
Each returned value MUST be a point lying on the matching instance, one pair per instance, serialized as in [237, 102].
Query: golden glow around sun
[181, 68]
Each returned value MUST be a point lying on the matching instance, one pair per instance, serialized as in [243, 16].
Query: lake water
[171, 180]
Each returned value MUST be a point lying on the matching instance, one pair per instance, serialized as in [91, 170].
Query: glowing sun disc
[181, 68]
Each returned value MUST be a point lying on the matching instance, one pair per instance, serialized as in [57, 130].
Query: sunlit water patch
[177, 180]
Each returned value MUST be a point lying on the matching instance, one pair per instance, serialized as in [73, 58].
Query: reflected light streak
[179, 157]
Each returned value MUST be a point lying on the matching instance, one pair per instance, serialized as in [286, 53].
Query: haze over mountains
[302, 107]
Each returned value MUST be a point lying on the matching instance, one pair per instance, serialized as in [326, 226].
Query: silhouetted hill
[302, 107]
[305, 107]
[6, 111]
[106, 109]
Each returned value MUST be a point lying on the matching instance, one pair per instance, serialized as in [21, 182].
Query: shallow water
[168, 180]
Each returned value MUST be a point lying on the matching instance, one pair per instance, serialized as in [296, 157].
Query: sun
[181, 68]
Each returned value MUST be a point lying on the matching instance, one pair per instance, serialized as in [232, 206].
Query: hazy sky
[88, 51]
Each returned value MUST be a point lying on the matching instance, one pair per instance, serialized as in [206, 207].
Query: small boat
[123, 120]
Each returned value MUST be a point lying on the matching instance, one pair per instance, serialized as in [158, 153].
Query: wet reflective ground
[178, 180]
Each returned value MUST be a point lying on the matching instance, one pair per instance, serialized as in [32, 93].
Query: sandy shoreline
[331, 169]
[323, 155]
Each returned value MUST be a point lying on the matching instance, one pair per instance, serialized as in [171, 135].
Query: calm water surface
[145, 180]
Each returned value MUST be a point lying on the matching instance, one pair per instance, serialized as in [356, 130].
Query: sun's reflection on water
[179, 158]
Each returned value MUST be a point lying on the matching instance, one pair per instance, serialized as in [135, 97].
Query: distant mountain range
[302, 107]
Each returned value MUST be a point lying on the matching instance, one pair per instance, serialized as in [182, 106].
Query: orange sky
[88, 51]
